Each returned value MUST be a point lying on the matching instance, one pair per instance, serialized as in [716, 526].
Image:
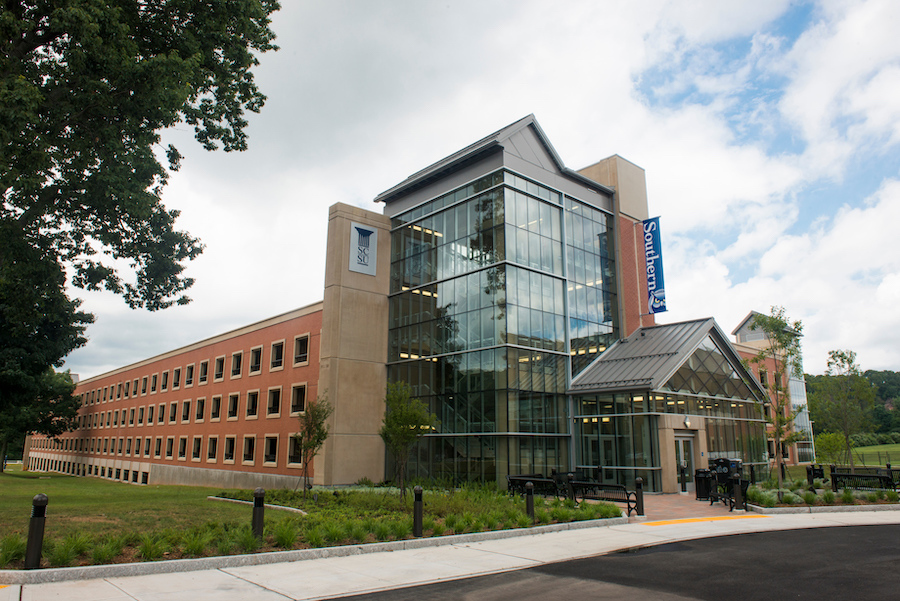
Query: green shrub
[847, 497]
[871, 497]
[523, 521]
[828, 497]
[58, 553]
[490, 520]
[452, 521]
[809, 497]
[12, 548]
[152, 547]
[769, 499]
[542, 516]
[357, 531]
[892, 496]
[194, 543]
[285, 534]
[562, 514]
[382, 530]
[879, 494]
[315, 537]
[334, 532]
[790, 498]
[401, 529]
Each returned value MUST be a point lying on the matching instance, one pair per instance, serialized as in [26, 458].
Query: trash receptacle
[702, 484]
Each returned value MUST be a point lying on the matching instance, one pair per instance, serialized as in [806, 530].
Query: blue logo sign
[362, 248]
[656, 287]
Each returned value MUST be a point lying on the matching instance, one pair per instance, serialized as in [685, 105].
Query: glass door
[684, 457]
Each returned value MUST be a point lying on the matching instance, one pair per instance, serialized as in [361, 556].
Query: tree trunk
[3, 448]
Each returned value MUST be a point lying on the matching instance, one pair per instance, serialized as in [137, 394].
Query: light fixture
[687, 422]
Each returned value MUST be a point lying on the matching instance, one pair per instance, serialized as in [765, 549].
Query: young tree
[844, 398]
[313, 433]
[406, 420]
[783, 353]
[830, 448]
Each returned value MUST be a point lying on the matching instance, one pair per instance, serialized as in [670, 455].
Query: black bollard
[783, 473]
[809, 475]
[417, 512]
[752, 474]
[529, 500]
[36, 532]
[259, 510]
[683, 470]
[736, 492]
[570, 484]
[639, 495]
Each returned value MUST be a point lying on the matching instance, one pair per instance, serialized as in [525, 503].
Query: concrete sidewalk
[333, 577]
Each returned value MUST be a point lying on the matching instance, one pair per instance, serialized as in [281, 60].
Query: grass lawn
[102, 507]
[97, 521]
[878, 455]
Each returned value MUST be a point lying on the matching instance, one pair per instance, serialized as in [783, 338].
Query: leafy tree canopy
[406, 420]
[86, 86]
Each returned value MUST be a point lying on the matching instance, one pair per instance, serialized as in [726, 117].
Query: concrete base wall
[190, 476]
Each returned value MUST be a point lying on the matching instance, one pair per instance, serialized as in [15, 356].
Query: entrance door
[684, 456]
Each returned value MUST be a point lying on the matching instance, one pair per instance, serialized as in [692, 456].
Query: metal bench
[722, 489]
[596, 491]
[841, 481]
[515, 485]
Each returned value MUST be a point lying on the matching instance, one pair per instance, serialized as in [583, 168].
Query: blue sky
[768, 131]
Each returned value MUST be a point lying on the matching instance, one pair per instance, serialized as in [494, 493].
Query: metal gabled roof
[486, 145]
[652, 355]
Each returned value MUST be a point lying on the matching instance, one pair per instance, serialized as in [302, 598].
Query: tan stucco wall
[669, 427]
[352, 370]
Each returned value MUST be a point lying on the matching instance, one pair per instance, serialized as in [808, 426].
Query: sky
[769, 132]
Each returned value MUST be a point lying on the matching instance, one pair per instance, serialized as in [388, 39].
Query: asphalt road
[854, 562]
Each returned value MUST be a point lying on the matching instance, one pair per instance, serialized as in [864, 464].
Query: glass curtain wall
[478, 322]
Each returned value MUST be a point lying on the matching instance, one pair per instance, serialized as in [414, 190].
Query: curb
[821, 509]
[236, 561]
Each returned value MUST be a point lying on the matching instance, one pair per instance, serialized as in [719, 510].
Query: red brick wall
[633, 277]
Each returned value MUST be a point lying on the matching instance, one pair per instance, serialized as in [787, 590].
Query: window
[108, 417]
[153, 379]
[277, 355]
[116, 417]
[157, 450]
[220, 369]
[137, 447]
[301, 349]
[144, 385]
[211, 448]
[201, 403]
[255, 360]
[119, 391]
[176, 377]
[273, 408]
[189, 375]
[150, 415]
[182, 447]
[147, 447]
[229, 449]
[236, 359]
[134, 388]
[173, 412]
[233, 406]
[130, 417]
[298, 398]
[164, 385]
[186, 411]
[294, 455]
[204, 371]
[195, 452]
[215, 409]
[249, 448]
[270, 452]
[121, 444]
[127, 388]
[162, 412]
[252, 403]
[105, 445]
[764, 378]
[170, 443]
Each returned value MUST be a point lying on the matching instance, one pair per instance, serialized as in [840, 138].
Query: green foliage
[842, 401]
[892, 496]
[12, 548]
[790, 498]
[828, 497]
[285, 534]
[315, 537]
[334, 532]
[246, 540]
[809, 497]
[152, 547]
[405, 421]
[847, 497]
[313, 432]
[194, 543]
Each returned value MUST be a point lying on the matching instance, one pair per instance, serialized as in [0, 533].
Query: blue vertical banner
[656, 286]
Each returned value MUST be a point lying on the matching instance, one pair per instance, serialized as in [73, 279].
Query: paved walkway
[332, 577]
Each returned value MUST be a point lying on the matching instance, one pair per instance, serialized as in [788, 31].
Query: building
[507, 290]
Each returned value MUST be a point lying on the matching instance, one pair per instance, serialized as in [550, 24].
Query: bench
[841, 481]
[597, 491]
[722, 489]
[515, 485]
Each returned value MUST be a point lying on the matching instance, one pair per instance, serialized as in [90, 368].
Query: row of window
[196, 410]
[194, 448]
[150, 384]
